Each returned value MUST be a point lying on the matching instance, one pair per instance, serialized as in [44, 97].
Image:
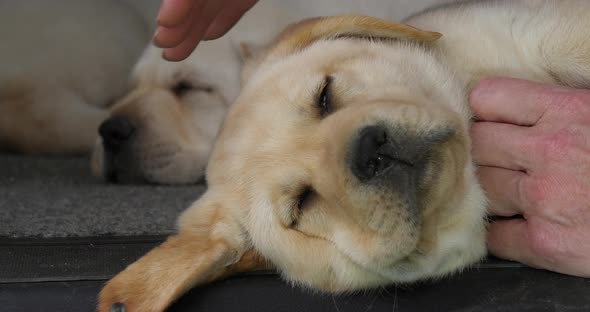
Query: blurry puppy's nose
[115, 132]
[374, 152]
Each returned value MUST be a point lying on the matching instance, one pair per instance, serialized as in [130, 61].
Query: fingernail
[158, 17]
[118, 307]
[166, 57]
[155, 37]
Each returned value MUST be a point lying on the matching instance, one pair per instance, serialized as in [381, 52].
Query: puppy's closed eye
[324, 100]
[183, 87]
[303, 200]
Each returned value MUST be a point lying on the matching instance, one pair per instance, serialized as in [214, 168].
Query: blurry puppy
[65, 61]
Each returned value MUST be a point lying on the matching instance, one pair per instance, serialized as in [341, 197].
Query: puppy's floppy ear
[210, 245]
[301, 35]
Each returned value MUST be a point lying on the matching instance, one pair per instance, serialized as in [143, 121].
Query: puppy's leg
[46, 121]
[211, 247]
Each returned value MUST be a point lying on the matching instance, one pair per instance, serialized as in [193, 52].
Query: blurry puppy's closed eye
[183, 87]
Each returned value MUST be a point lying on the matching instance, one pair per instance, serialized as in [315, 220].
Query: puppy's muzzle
[116, 132]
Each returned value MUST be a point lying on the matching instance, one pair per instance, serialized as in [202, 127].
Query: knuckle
[544, 245]
[534, 193]
[549, 244]
[539, 192]
[479, 92]
[572, 103]
[556, 145]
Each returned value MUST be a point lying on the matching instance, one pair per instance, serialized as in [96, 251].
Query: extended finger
[227, 18]
[510, 100]
[175, 12]
[501, 145]
[516, 240]
[505, 191]
[169, 37]
[197, 31]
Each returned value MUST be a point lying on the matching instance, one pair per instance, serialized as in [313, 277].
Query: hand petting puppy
[532, 145]
[182, 24]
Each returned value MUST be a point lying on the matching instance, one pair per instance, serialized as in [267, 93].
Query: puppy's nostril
[115, 132]
[382, 161]
[367, 160]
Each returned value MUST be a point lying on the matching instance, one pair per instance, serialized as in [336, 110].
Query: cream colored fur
[274, 144]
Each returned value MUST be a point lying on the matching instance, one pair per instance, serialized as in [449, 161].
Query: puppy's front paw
[108, 300]
[118, 307]
[125, 294]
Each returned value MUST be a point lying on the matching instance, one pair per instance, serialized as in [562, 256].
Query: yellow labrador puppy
[345, 161]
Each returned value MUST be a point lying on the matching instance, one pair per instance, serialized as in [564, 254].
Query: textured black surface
[497, 290]
[69, 259]
[58, 197]
[52, 197]
[40, 260]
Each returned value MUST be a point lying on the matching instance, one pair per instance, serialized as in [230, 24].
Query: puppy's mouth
[156, 163]
[133, 164]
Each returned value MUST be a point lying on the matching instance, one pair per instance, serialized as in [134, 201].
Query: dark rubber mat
[484, 290]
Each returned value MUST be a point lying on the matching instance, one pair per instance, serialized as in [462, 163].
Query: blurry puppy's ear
[249, 50]
[251, 55]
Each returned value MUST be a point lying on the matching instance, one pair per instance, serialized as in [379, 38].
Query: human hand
[182, 24]
[532, 147]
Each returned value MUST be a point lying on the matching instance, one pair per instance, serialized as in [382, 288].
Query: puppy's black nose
[375, 152]
[115, 132]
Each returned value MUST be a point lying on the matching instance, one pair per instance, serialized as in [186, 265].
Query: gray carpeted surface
[58, 197]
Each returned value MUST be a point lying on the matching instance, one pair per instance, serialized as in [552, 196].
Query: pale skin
[533, 153]
[182, 24]
[531, 145]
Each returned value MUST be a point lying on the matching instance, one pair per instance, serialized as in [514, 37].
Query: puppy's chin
[97, 159]
[178, 167]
